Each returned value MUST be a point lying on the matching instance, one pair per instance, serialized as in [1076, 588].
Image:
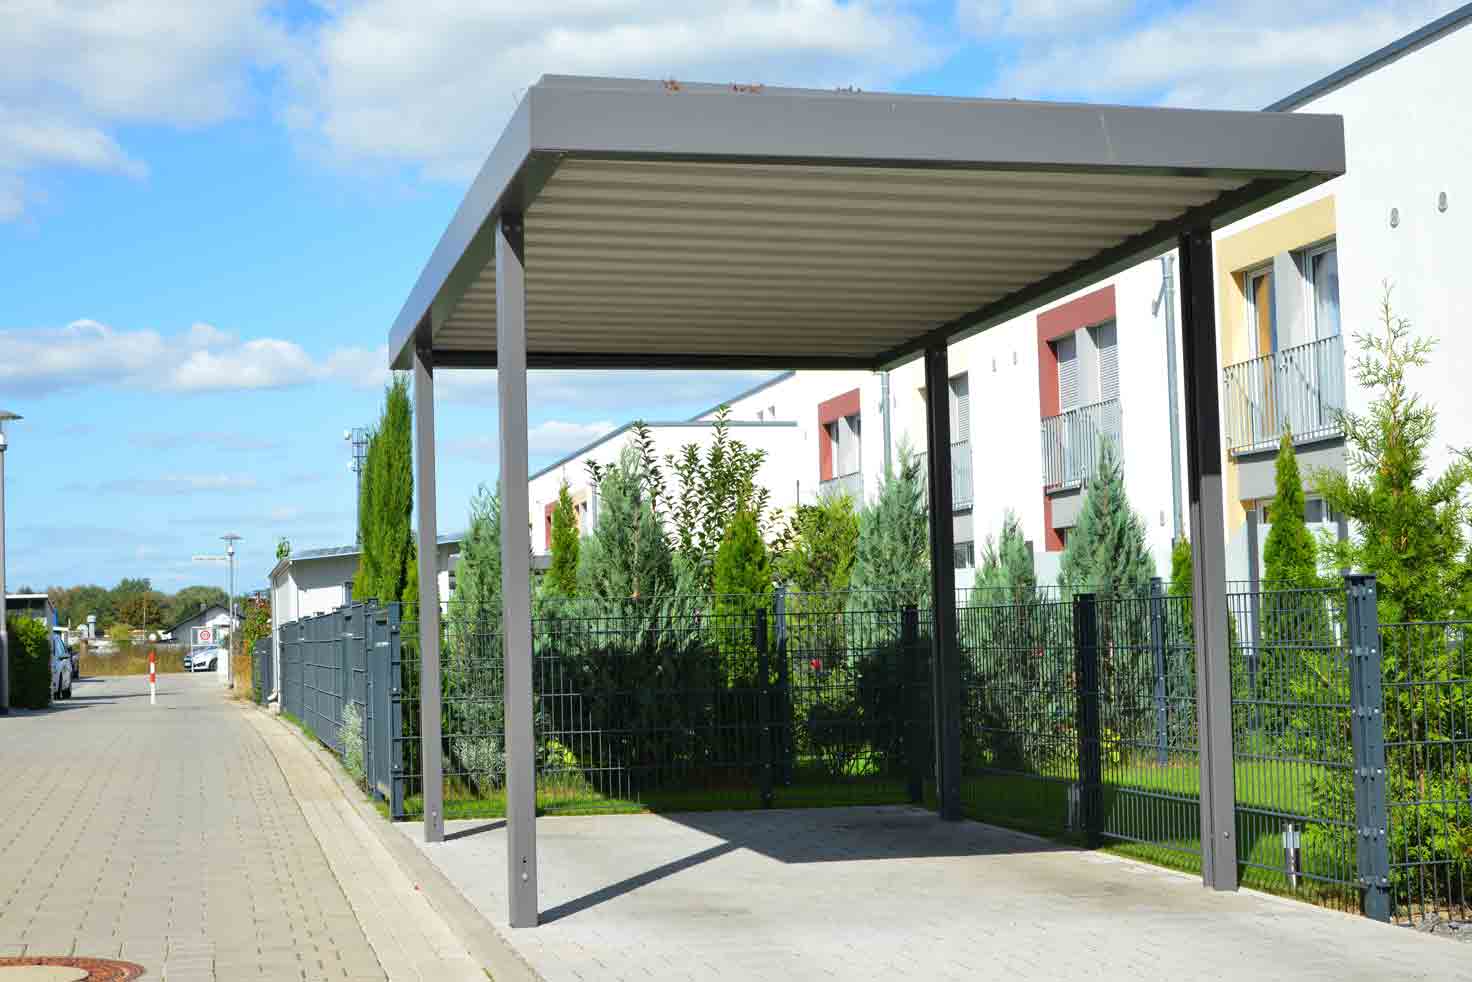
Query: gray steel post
[395, 713]
[764, 693]
[1208, 555]
[1086, 711]
[516, 548]
[947, 664]
[1157, 649]
[430, 734]
[1367, 728]
[4, 633]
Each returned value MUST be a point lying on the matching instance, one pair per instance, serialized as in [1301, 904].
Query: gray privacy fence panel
[341, 659]
[261, 670]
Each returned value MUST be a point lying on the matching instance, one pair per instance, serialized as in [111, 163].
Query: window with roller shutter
[1105, 337]
[1068, 387]
[960, 409]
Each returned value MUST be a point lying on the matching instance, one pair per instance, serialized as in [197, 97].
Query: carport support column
[430, 744]
[1208, 561]
[945, 658]
[516, 547]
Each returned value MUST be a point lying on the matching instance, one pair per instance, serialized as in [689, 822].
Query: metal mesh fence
[1079, 721]
[1428, 755]
[1292, 753]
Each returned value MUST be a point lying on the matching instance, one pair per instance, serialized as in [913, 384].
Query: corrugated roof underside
[746, 259]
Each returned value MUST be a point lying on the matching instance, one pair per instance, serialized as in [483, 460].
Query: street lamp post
[230, 539]
[5, 419]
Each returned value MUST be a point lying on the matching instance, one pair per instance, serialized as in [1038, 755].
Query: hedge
[30, 663]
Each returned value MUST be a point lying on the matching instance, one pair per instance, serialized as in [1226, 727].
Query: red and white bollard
[152, 679]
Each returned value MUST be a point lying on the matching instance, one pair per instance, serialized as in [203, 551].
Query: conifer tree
[1289, 555]
[1005, 573]
[387, 506]
[894, 540]
[627, 557]
[1410, 531]
[562, 576]
[1105, 553]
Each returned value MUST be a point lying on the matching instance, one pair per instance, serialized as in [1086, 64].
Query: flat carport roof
[640, 224]
[678, 224]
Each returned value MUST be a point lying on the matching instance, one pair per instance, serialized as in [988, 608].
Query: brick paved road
[140, 832]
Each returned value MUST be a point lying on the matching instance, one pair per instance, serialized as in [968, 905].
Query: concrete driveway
[893, 893]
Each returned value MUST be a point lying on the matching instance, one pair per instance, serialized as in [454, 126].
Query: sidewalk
[209, 842]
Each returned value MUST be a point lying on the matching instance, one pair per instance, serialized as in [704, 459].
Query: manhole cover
[43, 969]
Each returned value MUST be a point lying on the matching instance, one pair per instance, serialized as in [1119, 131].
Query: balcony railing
[1298, 390]
[1072, 442]
[962, 492]
[849, 484]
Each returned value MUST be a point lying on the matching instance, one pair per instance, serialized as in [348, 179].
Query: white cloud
[202, 358]
[71, 73]
[169, 485]
[1216, 54]
[1035, 17]
[550, 438]
[431, 82]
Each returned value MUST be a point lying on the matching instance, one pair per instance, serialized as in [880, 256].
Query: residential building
[1296, 283]
[315, 581]
[216, 616]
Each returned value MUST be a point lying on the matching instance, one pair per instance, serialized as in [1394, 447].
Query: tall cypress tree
[1105, 552]
[1289, 553]
[628, 556]
[562, 576]
[388, 502]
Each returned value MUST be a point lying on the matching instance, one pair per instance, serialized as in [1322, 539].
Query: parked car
[61, 669]
[203, 660]
[73, 652]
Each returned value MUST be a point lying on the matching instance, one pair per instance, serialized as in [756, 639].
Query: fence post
[395, 713]
[1157, 648]
[784, 688]
[1086, 676]
[763, 705]
[1367, 724]
[915, 755]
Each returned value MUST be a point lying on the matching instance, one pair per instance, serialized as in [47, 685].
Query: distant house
[315, 581]
[215, 616]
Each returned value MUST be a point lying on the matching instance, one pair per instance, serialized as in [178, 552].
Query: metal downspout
[1167, 298]
[884, 409]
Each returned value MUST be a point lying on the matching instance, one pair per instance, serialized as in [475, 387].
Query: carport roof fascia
[1275, 154]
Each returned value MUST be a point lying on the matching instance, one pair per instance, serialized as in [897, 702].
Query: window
[1322, 273]
[1105, 338]
[965, 553]
[844, 435]
[1068, 388]
[960, 409]
[1261, 312]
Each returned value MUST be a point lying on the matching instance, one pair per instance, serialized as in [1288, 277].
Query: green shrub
[30, 663]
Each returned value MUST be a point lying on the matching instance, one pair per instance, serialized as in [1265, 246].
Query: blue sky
[210, 213]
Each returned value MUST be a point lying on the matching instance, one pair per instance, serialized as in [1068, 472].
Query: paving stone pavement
[893, 893]
[165, 835]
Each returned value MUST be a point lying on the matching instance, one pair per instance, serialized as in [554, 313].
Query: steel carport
[705, 226]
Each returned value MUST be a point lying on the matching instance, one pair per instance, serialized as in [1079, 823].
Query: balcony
[961, 486]
[1073, 440]
[1298, 390]
[849, 484]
